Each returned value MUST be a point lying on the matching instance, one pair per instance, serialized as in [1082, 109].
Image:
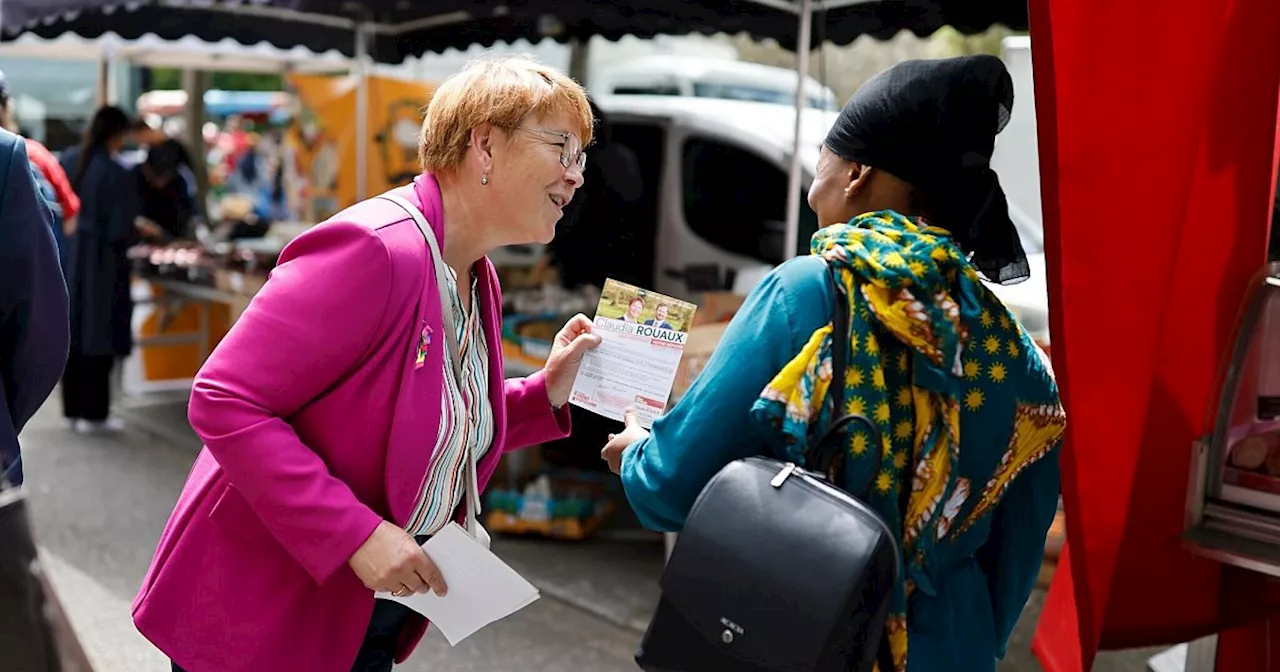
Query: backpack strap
[840, 323]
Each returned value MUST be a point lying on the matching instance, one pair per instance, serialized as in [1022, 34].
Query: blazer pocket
[233, 515]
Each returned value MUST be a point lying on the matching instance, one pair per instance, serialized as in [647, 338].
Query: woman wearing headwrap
[964, 465]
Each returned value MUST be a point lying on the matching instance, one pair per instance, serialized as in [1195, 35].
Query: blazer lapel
[491, 299]
[417, 424]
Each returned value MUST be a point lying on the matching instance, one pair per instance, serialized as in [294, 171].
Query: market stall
[389, 30]
[263, 105]
[198, 287]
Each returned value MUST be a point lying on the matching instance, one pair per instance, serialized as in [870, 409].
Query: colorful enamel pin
[424, 341]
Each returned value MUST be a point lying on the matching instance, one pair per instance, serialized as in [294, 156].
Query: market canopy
[185, 52]
[398, 29]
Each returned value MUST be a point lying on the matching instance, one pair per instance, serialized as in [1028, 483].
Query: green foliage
[949, 42]
[168, 79]
[845, 68]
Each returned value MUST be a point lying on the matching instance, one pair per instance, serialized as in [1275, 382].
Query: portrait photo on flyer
[643, 335]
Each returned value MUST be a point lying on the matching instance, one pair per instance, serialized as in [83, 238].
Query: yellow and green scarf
[911, 293]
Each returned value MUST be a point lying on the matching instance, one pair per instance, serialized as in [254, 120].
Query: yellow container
[179, 361]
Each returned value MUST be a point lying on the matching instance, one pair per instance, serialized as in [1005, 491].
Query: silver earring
[484, 178]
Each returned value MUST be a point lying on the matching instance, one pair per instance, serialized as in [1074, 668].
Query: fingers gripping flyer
[643, 335]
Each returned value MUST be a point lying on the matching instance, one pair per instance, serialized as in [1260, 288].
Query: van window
[655, 90]
[737, 201]
[758, 94]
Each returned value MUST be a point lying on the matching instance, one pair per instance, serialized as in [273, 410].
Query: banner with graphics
[320, 145]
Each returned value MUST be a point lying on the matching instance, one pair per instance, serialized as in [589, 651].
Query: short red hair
[501, 91]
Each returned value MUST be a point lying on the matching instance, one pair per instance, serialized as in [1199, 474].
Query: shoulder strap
[442, 277]
[839, 341]
[839, 420]
[453, 354]
[840, 322]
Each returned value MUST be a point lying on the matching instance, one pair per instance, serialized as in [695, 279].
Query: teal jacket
[980, 584]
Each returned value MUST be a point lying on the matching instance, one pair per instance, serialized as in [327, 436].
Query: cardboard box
[698, 348]
[716, 307]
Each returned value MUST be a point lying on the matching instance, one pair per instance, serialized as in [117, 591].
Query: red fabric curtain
[1157, 125]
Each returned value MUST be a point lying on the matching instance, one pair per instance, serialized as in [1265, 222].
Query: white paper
[482, 588]
[642, 336]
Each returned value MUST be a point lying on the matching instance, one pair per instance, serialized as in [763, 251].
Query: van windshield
[758, 94]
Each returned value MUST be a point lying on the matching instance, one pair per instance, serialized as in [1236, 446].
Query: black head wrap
[934, 124]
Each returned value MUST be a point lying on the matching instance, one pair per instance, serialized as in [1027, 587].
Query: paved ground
[99, 504]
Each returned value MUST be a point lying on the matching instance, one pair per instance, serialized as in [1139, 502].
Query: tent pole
[793, 181]
[108, 79]
[362, 111]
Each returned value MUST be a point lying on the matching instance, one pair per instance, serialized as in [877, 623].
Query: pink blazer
[318, 423]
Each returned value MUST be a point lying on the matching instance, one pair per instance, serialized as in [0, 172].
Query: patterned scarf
[911, 293]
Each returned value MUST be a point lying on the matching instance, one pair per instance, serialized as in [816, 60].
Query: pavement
[99, 503]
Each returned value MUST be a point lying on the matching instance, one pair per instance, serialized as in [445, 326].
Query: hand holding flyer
[642, 338]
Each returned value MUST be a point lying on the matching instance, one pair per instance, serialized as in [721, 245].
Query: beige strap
[471, 480]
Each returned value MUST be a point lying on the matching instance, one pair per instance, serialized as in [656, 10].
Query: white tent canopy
[187, 52]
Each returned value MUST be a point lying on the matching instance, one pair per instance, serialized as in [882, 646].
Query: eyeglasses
[570, 148]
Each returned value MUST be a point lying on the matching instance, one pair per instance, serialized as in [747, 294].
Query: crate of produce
[528, 338]
[559, 504]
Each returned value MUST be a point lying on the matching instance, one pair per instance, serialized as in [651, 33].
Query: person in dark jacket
[33, 302]
[98, 272]
[166, 196]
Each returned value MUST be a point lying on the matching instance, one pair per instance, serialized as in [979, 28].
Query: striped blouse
[466, 421]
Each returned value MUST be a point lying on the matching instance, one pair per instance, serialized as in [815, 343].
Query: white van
[701, 77]
[715, 175]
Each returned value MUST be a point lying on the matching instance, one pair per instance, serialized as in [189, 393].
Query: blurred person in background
[258, 176]
[98, 271]
[51, 178]
[338, 415]
[34, 631]
[33, 302]
[165, 183]
[232, 142]
[958, 452]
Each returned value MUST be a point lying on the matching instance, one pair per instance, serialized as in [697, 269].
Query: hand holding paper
[390, 561]
[612, 452]
[571, 343]
[482, 588]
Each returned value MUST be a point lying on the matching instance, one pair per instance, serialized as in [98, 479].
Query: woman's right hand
[390, 561]
[148, 228]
